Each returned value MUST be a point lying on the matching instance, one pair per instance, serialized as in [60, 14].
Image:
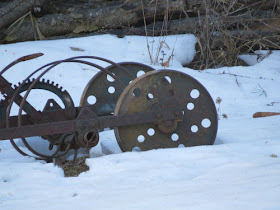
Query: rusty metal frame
[100, 122]
[24, 105]
[76, 127]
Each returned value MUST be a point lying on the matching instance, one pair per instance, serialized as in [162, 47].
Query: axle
[87, 122]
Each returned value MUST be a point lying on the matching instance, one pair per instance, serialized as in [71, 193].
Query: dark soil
[73, 169]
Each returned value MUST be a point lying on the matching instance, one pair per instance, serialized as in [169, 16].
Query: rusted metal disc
[164, 89]
[102, 91]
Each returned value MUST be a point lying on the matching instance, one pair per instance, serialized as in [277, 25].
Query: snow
[240, 171]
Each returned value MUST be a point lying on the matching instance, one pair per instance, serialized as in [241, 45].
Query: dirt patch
[73, 169]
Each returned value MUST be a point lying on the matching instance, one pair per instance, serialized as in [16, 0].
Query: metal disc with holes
[164, 89]
[102, 91]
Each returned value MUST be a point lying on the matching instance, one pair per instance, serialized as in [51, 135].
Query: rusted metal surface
[102, 91]
[157, 101]
[265, 114]
[21, 59]
[167, 89]
[42, 85]
[34, 115]
[88, 121]
[9, 92]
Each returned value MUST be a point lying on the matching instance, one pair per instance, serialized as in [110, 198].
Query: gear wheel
[43, 85]
[48, 86]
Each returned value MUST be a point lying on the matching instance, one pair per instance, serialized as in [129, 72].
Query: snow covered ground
[240, 171]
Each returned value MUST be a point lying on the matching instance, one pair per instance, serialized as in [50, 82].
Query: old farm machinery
[159, 109]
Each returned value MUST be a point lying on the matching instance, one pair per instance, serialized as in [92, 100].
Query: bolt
[177, 114]
[168, 123]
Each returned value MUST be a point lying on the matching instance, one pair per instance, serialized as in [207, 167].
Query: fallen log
[12, 10]
[128, 22]
[123, 17]
[86, 20]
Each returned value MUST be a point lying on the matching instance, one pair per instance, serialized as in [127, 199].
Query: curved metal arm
[21, 59]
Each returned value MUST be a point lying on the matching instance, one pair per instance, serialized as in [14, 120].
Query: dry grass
[224, 30]
[18, 23]
[155, 49]
[223, 35]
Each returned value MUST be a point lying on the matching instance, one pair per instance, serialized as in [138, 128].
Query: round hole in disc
[194, 93]
[110, 79]
[151, 132]
[206, 123]
[91, 99]
[168, 79]
[51, 104]
[181, 145]
[111, 89]
[150, 96]
[194, 128]
[140, 73]
[190, 106]
[174, 137]
[136, 149]
[141, 138]
[89, 136]
[137, 92]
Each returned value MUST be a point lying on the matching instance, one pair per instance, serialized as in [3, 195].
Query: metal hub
[165, 89]
[102, 91]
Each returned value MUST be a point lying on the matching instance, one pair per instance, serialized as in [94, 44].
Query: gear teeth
[15, 86]
[5, 99]
[52, 83]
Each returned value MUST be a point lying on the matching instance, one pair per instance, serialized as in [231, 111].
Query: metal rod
[103, 122]
[21, 59]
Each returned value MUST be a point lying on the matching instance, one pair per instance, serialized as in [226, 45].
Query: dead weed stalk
[226, 31]
[155, 49]
[18, 23]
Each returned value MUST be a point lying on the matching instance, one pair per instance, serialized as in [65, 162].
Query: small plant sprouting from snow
[218, 102]
[163, 61]
[159, 53]
[259, 90]
[219, 112]
[273, 103]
